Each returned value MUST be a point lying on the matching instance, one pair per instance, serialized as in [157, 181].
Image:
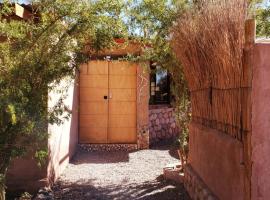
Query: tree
[36, 55]
[260, 10]
[263, 21]
[151, 21]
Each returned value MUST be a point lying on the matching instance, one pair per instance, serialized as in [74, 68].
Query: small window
[159, 86]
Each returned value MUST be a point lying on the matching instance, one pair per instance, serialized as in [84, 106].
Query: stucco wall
[63, 138]
[260, 141]
[24, 173]
[217, 159]
[142, 107]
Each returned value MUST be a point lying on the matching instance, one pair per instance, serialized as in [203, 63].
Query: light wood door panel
[95, 121]
[93, 94]
[97, 68]
[94, 81]
[122, 104]
[93, 135]
[122, 121]
[122, 82]
[122, 68]
[83, 69]
[122, 135]
[112, 120]
[126, 108]
[95, 108]
[123, 95]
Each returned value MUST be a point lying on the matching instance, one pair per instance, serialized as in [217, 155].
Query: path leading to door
[119, 176]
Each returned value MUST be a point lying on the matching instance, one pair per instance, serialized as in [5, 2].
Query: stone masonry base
[196, 188]
[162, 124]
[108, 147]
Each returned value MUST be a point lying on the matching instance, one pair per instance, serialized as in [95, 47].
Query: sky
[265, 2]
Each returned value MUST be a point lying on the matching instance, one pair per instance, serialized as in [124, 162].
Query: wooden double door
[108, 91]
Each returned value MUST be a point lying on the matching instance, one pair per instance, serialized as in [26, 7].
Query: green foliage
[263, 22]
[41, 157]
[260, 9]
[35, 55]
[152, 20]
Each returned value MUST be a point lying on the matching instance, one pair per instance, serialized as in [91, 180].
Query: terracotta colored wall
[24, 174]
[216, 158]
[63, 138]
[260, 141]
[142, 107]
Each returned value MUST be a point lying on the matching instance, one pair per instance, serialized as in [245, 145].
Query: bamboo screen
[209, 41]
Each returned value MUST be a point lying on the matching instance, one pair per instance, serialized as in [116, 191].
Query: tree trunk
[2, 187]
[4, 160]
[2, 193]
[181, 159]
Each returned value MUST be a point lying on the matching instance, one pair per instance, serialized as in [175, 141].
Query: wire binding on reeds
[209, 41]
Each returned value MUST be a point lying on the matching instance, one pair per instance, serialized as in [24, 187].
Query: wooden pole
[250, 35]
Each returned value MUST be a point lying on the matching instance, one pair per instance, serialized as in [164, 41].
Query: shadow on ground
[159, 189]
[82, 157]
[166, 146]
[98, 157]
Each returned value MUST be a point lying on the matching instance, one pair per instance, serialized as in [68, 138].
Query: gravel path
[119, 176]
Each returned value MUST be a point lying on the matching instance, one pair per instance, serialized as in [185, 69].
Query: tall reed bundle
[209, 40]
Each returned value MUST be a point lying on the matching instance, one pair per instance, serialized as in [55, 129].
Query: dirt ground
[119, 176]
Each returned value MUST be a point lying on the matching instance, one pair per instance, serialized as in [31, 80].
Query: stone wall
[162, 124]
[195, 186]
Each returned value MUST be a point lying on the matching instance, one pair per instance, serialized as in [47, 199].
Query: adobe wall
[260, 139]
[162, 124]
[142, 107]
[24, 173]
[216, 158]
[63, 138]
[221, 169]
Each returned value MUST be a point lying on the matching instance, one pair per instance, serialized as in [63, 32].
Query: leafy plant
[263, 22]
[35, 55]
[151, 21]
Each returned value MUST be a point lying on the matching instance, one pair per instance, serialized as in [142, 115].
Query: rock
[45, 194]
[173, 125]
[162, 121]
[162, 124]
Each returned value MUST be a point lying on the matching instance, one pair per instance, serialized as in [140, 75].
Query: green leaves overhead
[263, 22]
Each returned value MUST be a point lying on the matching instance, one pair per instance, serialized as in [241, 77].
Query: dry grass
[209, 40]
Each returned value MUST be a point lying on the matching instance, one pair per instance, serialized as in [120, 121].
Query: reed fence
[209, 40]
